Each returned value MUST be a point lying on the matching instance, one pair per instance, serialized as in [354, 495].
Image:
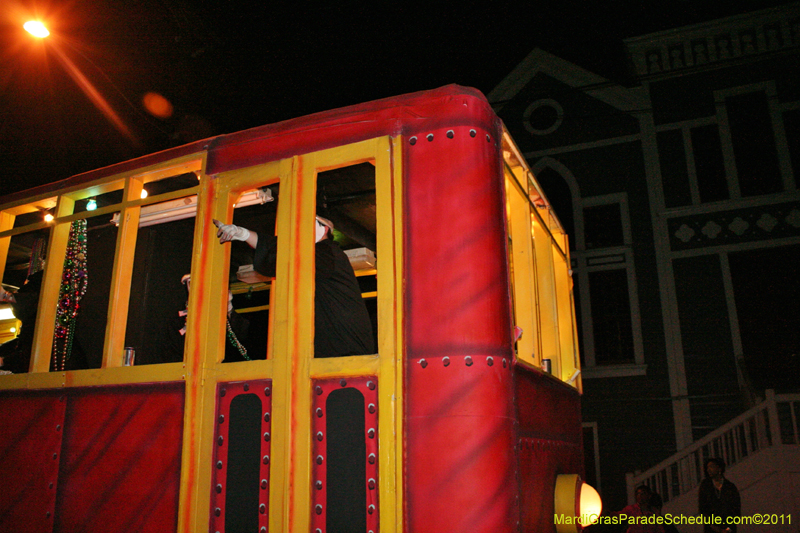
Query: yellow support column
[120, 291]
[51, 285]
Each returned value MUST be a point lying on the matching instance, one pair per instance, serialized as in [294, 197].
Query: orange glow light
[157, 105]
[36, 28]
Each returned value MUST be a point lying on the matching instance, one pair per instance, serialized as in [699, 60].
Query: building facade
[680, 193]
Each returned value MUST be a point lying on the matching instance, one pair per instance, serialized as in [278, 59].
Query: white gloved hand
[230, 232]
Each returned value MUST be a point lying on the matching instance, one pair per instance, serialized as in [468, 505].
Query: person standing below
[641, 510]
[718, 497]
[341, 321]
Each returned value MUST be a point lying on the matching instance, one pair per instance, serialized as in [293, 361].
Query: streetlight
[36, 28]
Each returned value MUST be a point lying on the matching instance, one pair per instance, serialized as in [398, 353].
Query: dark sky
[235, 64]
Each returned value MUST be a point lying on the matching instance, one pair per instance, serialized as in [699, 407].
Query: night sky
[231, 65]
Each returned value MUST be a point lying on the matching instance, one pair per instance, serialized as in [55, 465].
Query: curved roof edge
[403, 114]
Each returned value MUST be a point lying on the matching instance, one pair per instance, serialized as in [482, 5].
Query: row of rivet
[450, 134]
[542, 444]
[246, 387]
[467, 361]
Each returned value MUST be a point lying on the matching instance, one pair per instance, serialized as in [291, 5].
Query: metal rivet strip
[226, 393]
[367, 385]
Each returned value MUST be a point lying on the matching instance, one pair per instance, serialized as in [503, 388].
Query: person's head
[324, 229]
[643, 494]
[656, 503]
[714, 467]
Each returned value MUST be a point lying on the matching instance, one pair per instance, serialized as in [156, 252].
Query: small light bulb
[48, 217]
[144, 194]
[91, 205]
[13, 330]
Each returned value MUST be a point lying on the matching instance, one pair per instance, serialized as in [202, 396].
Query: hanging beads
[74, 281]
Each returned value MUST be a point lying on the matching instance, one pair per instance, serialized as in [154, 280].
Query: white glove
[230, 232]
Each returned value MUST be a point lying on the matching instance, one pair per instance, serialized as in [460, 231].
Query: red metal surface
[550, 443]
[120, 469]
[457, 299]
[31, 429]
[407, 114]
[226, 392]
[461, 461]
[367, 385]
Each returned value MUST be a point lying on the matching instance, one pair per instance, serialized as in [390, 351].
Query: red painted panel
[31, 428]
[550, 443]
[226, 392]
[120, 469]
[458, 300]
[368, 386]
[460, 438]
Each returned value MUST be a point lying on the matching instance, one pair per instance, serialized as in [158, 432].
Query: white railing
[774, 422]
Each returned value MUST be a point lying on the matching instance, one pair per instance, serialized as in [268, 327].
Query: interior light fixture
[91, 205]
[48, 217]
[182, 208]
[143, 194]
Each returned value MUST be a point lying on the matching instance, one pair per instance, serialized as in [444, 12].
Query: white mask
[320, 231]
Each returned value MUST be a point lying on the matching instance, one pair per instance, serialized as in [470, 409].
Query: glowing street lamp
[36, 28]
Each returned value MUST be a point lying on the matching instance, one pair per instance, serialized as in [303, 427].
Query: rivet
[371, 509]
[221, 419]
[55, 456]
[222, 392]
[472, 133]
[247, 386]
[218, 488]
[412, 141]
[58, 427]
[430, 137]
[370, 385]
[263, 529]
[217, 511]
[371, 408]
[371, 433]
[318, 530]
[318, 390]
[488, 139]
[267, 391]
[51, 485]
[318, 509]
[489, 361]
[504, 362]
[468, 360]
[47, 514]
[450, 134]
[446, 361]
[264, 483]
[319, 412]
[266, 437]
[262, 508]
[320, 436]
[266, 417]
[423, 363]
[371, 484]
[318, 485]
[371, 458]
[220, 440]
[265, 459]
[343, 383]
[219, 465]
[319, 459]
